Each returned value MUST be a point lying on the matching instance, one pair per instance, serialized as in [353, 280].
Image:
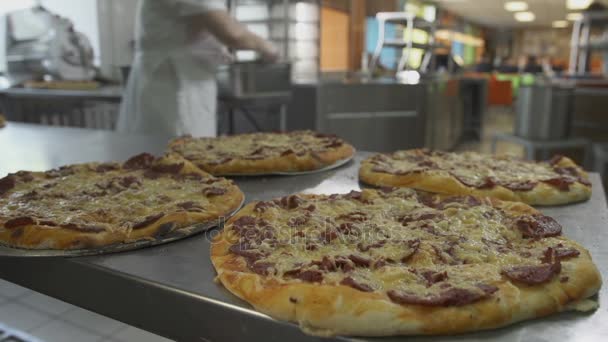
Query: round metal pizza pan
[290, 173]
[6, 251]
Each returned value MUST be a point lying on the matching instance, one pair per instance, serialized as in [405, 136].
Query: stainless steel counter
[170, 290]
[106, 92]
[96, 108]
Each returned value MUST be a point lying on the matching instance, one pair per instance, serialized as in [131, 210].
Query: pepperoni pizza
[98, 204]
[263, 153]
[558, 181]
[397, 261]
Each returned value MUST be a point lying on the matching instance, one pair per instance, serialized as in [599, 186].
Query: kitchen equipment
[543, 112]
[42, 45]
[254, 79]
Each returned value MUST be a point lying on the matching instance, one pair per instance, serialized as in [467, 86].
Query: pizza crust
[328, 310]
[36, 236]
[287, 163]
[445, 183]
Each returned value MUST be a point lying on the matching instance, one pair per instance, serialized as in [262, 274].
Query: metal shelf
[278, 21]
[601, 46]
[396, 43]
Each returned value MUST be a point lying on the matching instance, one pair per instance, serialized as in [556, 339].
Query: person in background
[484, 65]
[532, 66]
[172, 89]
[547, 65]
[508, 66]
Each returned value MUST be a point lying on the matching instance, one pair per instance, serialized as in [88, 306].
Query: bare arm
[233, 34]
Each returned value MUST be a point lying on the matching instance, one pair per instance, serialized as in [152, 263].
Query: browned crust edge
[542, 194]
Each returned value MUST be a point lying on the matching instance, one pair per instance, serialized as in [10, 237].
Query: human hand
[269, 52]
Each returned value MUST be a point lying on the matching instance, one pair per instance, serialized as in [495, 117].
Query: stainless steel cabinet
[443, 114]
[374, 116]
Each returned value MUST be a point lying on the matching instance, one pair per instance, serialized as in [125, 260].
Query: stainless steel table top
[170, 289]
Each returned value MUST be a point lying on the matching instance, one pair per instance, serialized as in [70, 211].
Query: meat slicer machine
[40, 45]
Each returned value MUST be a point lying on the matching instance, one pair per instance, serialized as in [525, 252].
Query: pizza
[92, 205]
[558, 181]
[397, 261]
[263, 153]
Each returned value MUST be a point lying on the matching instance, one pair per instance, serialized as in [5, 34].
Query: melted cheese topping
[116, 199]
[253, 146]
[469, 167]
[470, 243]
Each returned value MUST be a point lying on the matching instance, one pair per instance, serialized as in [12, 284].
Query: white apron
[172, 89]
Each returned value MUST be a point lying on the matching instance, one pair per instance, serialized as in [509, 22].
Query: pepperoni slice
[360, 261]
[432, 277]
[290, 202]
[263, 268]
[168, 168]
[348, 228]
[24, 176]
[363, 247]
[328, 235]
[244, 250]
[449, 297]
[214, 191]
[287, 152]
[7, 183]
[428, 164]
[326, 264]
[311, 276]
[520, 186]
[129, 180]
[486, 183]
[349, 281]
[140, 161]
[562, 183]
[298, 221]
[333, 144]
[355, 216]
[189, 205]
[263, 205]
[105, 167]
[19, 222]
[533, 275]
[419, 217]
[245, 225]
[556, 159]
[538, 226]
[551, 254]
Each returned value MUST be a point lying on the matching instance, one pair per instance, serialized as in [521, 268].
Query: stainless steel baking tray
[6, 251]
[290, 173]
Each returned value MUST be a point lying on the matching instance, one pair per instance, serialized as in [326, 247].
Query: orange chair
[500, 93]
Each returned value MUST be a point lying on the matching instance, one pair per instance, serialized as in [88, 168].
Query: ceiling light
[516, 6]
[578, 4]
[574, 16]
[560, 24]
[524, 16]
